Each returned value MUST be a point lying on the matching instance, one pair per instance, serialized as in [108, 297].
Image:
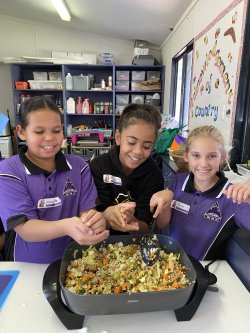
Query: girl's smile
[136, 142]
[204, 158]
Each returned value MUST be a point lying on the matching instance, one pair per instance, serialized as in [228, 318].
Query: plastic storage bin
[119, 109]
[122, 75]
[243, 170]
[122, 85]
[122, 99]
[81, 82]
[21, 85]
[40, 76]
[43, 85]
[139, 99]
[6, 146]
[135, 85]
[153, 75]
[138, 75]
[55, 76]
[106, 58]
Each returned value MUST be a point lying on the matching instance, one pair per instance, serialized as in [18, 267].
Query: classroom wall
[25, 38]
[197, 17]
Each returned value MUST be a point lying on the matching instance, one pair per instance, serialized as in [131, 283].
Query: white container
[6, 146]
[71, 105]
[40, 76]
[139, 99]
[122, 85]
[81, 82]
[122, 75]
[138, 75]
[122, 99]
[135, 85]
[153, 75]
[243, 170]
[45, 85]
[55, 76]
[69, 81]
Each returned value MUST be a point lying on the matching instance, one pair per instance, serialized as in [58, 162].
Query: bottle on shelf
[85, 106]
[110, 82]
[103, 84]
[79, 105]
[71, 105]
[69, 81]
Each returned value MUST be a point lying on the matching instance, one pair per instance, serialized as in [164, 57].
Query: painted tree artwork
[216, 67]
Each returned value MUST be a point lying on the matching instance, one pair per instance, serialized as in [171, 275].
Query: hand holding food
[115, 216]
[82, 233]
[127, 210]
[94, 220]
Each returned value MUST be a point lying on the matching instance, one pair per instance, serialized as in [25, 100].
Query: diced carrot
[105, 261]
[175, 285]
[124, 286]
[159, 288]
[167, 266]
[166, 276]
[118, 290]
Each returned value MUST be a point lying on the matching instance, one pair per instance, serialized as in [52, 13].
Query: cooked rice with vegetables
[117, 268]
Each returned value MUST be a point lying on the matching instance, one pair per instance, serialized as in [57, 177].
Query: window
[180, 84]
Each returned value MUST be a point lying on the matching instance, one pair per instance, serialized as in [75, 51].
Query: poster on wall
[216, 67]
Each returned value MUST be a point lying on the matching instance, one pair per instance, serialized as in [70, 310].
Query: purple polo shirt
[198, 218]
[28, 192]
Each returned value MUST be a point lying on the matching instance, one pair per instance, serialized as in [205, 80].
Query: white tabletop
[27, 310]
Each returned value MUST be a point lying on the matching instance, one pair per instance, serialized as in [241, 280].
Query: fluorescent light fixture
[62, 9]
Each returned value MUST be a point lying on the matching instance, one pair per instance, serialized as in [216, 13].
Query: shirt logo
[69, 188]
[122, 197]
[112, 180]
[180, 206]
[213, 213]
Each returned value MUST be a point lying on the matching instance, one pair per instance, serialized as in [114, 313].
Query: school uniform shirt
[114, 187]
[202, 221]
[28, 192]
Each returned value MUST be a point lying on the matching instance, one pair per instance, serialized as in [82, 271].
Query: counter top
[27, 310]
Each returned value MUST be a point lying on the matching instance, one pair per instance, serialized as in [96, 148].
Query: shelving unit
[24, 72]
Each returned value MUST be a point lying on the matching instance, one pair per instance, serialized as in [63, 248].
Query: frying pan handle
[204, 279]
[52, 291]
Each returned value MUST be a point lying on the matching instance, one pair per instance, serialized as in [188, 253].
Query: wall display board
[216, 67]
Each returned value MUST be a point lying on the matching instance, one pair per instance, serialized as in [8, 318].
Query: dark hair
[33, 104]
[145, 112]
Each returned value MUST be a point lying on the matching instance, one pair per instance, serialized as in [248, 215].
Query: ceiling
[149, 20]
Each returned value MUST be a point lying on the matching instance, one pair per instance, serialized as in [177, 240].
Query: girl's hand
[160, 201]
[120, 218]
[127, 211]
[82, 233]
[238, 192]
[94, 220]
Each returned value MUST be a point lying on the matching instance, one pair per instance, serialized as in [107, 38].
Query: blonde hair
[206, 131]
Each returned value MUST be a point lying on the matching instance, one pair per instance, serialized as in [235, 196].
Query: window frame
[183, 54]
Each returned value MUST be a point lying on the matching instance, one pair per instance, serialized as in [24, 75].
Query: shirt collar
[61, 163]
[214, 192]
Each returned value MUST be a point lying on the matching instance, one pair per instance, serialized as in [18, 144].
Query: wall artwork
[215, 73]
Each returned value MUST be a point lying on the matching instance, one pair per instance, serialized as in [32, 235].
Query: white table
[27, 310]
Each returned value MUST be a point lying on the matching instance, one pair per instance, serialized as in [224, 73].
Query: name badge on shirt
[112, 180]
[184, 208]
[49, 202]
